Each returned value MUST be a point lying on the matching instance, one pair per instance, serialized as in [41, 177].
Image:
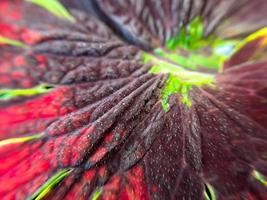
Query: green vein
[259, 177]
[209, 192]
[8, 41]
[20, 139]
[202, 52]
[189, 37]
[193, 60]
[50, 184]
[96, 194]
[180, 80]
[55, 7]
[7, 94]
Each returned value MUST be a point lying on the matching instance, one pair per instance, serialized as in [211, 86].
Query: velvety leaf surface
[101, 132]
[151, 24]
[147, 23]
[249, 18]
[33, 115]
[15, 17]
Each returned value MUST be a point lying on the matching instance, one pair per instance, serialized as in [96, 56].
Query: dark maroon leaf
[147, 23]
[103, 122]
[249, 18]
[152, 23]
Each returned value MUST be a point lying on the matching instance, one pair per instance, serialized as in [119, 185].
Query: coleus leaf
[249, 18]
[122, 121]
